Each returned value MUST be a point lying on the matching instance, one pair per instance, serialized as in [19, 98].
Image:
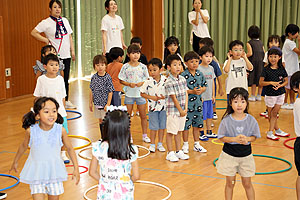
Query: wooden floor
[195, 178]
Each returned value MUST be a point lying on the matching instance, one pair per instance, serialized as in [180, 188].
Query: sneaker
[64, 157]
[272, 137]
[285, 106]
[185, 148]
[161, 148]
[132, 114]
[281, 133]
[152, 148]
[70, 105]
[212, 135]
[181, 155]
[215, 116]
[264, 113]
[203, 138]
[3, 195]
[172, 157]
[146, 139]
[199, 148]
[290, 106]
[212, 125]
[258, 98]
[252, 98]
[266, 116]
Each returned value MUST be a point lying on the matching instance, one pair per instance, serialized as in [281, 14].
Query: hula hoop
[221, 99]
[145, 148]
[82, 156]
[218, 143]
[288, 146]
[266, 156]
[10, 176]
[81, 137]
[73, 111]
[89, 189]
[85, 169]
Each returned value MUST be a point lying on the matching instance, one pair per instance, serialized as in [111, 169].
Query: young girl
[44, 169]
[237, 130]
[39, 67]
[291, 53]
[256, 52]
[116, 156]
[274, 78]
[172, 47]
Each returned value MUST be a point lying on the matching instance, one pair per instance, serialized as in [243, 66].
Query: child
[196, 84]
[295, 85]
[143, 58]
[237, 130]
[44, 169]
[206, 54]
[39, 67]
[172, 47]
[52, 85]
[153, 90]
[176, 106]
[113, 69]
[101, 89]
[132, 76]
[236, 67]
[116, 156]
[274, 78]
[290, 52]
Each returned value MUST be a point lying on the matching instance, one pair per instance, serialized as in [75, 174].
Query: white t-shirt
[52, 87]
[291, 58]
[296, 112]
[201, 30]
[267, 61]
[237, 75]
[48, 26]
[113, 27]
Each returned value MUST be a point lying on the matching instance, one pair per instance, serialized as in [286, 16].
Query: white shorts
[50, 188]
[175, 124]
[271, 101]
[99, 113]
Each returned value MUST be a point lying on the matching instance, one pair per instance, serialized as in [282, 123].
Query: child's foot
[181, 155]
[271, 136]
[252, 98]
[161, 148]
[203, 138]
[211, 135]
[264, 113]
[281, 133]
[172, 157]
[64, 157]
[258, 98]
[152, 148]
[70, 105]
[146, 139]
[3, 195]
[199, 148]
[215, 116]
[185, 148]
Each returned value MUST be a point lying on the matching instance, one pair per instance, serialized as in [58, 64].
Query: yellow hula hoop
[81, 137]
[82, 156]
[218, 143]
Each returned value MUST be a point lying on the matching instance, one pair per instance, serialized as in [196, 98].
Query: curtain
[230, 20]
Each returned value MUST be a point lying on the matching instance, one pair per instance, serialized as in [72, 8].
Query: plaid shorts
[50, 188]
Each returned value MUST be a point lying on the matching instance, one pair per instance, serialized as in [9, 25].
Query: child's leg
[39, 196]
[272, 112]
[160, 135]
[208, 124]
[230, 182]
[169, 138]
[185, 135]
[178, 141]
[253, 89]
[196, 134]
[143, 116]
[53, 197]
[153, 136]
[129, 108]
[287, 92]
[246, 181]
[259, 90]
[298, 187]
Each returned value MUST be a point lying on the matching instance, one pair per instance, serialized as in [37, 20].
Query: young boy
[176, 104]
[52, 85]
[101, 89]
[143, 58]
[113, 69]
[132, 76]
[236, 67]
[196, 84]
[153, 90]
[206, 54]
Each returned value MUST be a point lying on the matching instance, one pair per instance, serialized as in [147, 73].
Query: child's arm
[249, 50]
[248, 63]
[72, 48]
[135, 175]
[108, 100]
[220, 91]
[22, 148]
[104, 39]
[122, 39]
[153, 98]
[281, 85]
[262, 82]
[62, 73]
[67, 143]
[176, 103]
[297, 50]
[93, 172]
[132, 85]
[227, 66]
[213, 92]
[186, 102]
[91, 101]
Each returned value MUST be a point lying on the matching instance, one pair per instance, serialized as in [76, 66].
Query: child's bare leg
[129, 108]
[178, 141]
[208, 124]
[53, 197]
[169, 138]
[246, 181]
[259, 90]
[298, 187]
[152, 136]
[287, 91]
[272, 112]
[253, 89]
[230, 182]
[160, 135]
[38, 196]
[143, 116]
[185, 135]
[196, 134]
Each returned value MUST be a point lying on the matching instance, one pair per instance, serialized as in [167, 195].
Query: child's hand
[244, 55]
[220, 91]
[14, 167]
[139, 84]
[228, 55]
[160, 97]
[76, 175]
[105, 108]
[132, 85]
[213, 99]
[183, 113]
[197, 90]
[91, 107]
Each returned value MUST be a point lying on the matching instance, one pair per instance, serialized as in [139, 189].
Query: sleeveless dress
[44, 164]
[115, 182]
[257, 61]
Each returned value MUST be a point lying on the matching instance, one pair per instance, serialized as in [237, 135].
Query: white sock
[186, 143]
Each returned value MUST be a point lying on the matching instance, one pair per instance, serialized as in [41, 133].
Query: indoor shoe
[181, 155]
[212, 135]
[172, 157]
[185, 148]
[70, 105]
[152, 148]
[203, 138]
[258, 98]
[252, 98]
[264, 113]
[281, 133]
[199, 148]
[3, 195]
[146, 139]
[161, 148]
[215, 116]
[272, 137]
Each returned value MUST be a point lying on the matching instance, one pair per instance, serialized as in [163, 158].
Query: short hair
[55, 1]
[171, 40]
[133, 48]
[115, 52]
[235, 43]
[190, 56]
[155, 61]
[274, 37]
[171, 58]
[137, 40]
[295, 80]
[207, 41]
[206, 49]
[49, 57]
[254, 32]
[106, 4]
[44, 50]
[99, 59]
[275, 51]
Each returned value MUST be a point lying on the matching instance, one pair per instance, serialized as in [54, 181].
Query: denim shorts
[207, 110]
[65, 124]
[131, 100]
[116, 98]
[157, 120]
[49, 188]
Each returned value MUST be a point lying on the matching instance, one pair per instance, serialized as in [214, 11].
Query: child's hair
[133, 48]
[171, 40]
[116, 131]
[55, 1]
[206, 49]
[235, 43]
[116, 52]
[51, 57]
[136, 40]
[106, 4]
[254, 32]
[171, 58]
[275, 51]
[193, 4]
[292, 29]
[99, 59]
[44, 50]
[155, 61]
[295, 81]
[272, 38]
[29, 118]
[234, 93]
[207, 42]
[190, 56]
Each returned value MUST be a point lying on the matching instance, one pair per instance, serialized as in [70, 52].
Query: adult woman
[58, 33]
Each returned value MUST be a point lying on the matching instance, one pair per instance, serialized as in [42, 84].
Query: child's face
[113, 7]
[207, 58]
[273, 59]
[100, 68]
[274, 43]
[48, 114]
[239, 105]
[55, 11]
[295, 36]
[172, 48]
[197, 4]
[175, 67]
[154, 71]
[236, 51]
[52, 67]
[51, 50]
[134, 57]
[192, 64]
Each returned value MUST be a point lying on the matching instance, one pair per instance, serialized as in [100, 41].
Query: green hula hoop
[221, 99]
[266, 156]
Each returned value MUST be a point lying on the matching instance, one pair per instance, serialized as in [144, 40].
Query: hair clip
[112, 108]
[31, 109]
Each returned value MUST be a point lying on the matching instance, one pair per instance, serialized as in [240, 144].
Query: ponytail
[60, 119]
[28, 120]
[283, 37]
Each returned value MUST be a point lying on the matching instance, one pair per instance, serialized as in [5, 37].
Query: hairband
[112, 108]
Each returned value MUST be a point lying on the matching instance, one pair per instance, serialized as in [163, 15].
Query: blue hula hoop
[10, 176]
[73, 111]
[266, 156]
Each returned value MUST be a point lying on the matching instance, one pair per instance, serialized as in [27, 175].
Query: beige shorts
[175, 124]
[228, 165]
[99, 113]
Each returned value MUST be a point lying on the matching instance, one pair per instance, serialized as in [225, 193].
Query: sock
[201, 133]
[278, 131]
[152, 145]
[196, 143]
[209, 132]
[186, 143]
[159, 144]
[144, 135]
[270, 133]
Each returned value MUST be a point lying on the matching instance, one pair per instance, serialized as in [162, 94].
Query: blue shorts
[116, 98]
[194, 117]
[157, 120]
[49, 188]
[65, 124]
[137, 100]
[207, 110]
